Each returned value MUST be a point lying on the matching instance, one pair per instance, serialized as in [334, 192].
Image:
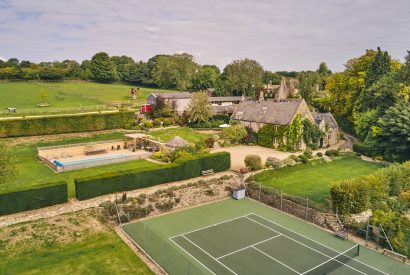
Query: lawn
[32, 172]
[184, 132]
[314, 180]
[75, 243]
[26, 95]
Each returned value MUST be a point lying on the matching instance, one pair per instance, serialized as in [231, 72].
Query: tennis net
[334, 262]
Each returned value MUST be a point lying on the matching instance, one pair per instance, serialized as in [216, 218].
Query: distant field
[26, 95]
[314, 181]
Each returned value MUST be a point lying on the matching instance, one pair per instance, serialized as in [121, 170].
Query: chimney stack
[261, 97]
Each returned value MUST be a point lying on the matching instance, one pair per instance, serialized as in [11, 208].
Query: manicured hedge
[39, 197]
[64, 124]
[107, 183]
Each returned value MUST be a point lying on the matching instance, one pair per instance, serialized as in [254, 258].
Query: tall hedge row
[64, 124]
[39, 197]
[107, 183]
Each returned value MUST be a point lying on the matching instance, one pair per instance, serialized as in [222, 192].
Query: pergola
[144, 141]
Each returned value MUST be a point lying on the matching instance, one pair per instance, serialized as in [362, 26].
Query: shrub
[34, 198]
[273, 162]
[332, 153]
[308, 154]
[65, 124]
[253, 162]
[141, 198]
[295, 158]
[244, 170]
[319, 154]
[304, 159]
[209, 142]
[289, 162]
[234, 133]
[107, 183]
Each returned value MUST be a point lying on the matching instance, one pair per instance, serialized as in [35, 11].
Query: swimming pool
[90, 160]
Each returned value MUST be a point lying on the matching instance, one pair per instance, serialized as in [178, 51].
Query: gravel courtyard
[238, 154]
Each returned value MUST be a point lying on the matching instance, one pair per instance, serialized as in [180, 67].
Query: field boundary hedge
[107, 183]
[64, 124]
[34, 198]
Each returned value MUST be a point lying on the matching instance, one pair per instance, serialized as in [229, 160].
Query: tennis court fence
[301, 208]
[160, 250]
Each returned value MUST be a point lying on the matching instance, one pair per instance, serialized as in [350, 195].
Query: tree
[377, 68]
[269, 76]
[235, 133]
[7, 169]
[51, 74]
[174, 71]
[395, 132]
[324, 70]
[121, 63]
[205, 78]
[199, 109]
[102, 68]
[138, 73]
[309, 83]
[242, 76]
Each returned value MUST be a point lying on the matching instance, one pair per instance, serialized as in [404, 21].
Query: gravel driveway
[238, 154]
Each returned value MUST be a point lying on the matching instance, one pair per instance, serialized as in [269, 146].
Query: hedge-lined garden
[39, 197]
[64, 124]
[129, 180]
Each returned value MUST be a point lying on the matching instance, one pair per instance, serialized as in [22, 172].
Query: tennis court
[251, 244]
[244, 237]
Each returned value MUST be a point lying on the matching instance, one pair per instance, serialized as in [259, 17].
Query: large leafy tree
[379, 66]
[309, 83]
[175, 71]
[199, 108]
[242, 76]
[269, 76]
[206, 78]
[395, 131]
[103, 68]
[138, 73]
[121, 63]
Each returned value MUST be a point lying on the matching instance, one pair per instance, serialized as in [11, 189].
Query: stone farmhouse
[281, 112]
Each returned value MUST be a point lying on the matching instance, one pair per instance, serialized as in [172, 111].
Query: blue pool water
[88, 160]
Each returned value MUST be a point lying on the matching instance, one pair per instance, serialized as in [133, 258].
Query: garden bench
[207, 172]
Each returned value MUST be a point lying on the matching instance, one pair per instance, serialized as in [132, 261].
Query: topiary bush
[319, 154]
[253, 162]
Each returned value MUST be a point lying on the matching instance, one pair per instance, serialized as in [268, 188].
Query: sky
[279, 34]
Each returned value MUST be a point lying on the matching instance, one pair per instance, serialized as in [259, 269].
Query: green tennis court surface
[244, 237]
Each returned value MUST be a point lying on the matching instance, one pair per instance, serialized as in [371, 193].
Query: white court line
[307, 246]
[192, 256]
[317, 242]
[205, 227]
[209, 255]
[249, 246]
[269, 256]
[331, 259]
